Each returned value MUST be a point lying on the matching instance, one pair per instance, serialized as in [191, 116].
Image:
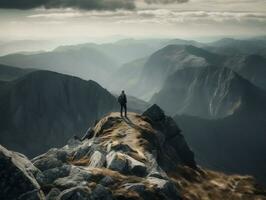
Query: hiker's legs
[125, 107]
[121, 109]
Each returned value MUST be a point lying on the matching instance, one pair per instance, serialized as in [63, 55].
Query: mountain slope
[230, 46]
[43, 109]
[235, 144]
[170, 59]
[252, 67]
[127, 77]
[139, 157]
[8, 73]
[209, 92]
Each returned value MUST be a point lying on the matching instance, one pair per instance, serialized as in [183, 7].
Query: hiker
[122, 99]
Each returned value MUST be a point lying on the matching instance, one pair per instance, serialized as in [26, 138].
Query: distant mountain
[8, 73]
[229, 46]
[44, 109]
[170, 59]
[25, 46]
[87, 63]
[127, 77]
[251, 67]
[235, 144]
[123, 51]
[209, 92]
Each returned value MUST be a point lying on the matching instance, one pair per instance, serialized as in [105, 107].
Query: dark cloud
[165, 1]
[80, 4]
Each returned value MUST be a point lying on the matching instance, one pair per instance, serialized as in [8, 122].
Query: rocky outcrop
[139, 157]
[17, 177]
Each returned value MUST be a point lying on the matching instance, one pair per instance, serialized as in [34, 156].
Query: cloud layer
[80, 4]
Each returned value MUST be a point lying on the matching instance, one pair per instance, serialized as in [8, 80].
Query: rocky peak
[155, 113]
[138, 157]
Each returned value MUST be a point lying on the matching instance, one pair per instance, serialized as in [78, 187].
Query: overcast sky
[78, 20]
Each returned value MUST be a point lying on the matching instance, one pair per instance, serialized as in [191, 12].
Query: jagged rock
[101, 193]
[155, 113]
[165, 188]
[75, 193]
[17, 180]
[77, 176]
[52, 159]
[81, 152]
[97, 159]
[137, 187]
[117, 162]
[106, 181]
[53, 194]
[136, 167]
[48, 176]
[121, 147]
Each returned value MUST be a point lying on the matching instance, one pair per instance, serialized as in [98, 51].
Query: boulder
[165, 188]
[48, 176]
[116, 161]
[17, 179]
[53, 194]
[77, 176]
[97, 159]
[101, 193]
[106, 181]
[136, 167]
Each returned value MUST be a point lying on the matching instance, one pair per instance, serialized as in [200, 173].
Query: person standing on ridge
[122, 99]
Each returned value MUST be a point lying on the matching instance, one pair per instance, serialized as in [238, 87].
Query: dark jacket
[122, 99]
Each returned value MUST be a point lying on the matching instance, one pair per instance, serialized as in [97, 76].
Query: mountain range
[44, 109]
[215, 92]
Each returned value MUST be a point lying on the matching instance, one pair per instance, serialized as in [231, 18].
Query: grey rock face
[17, 179]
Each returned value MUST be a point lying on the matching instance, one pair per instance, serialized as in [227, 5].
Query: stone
[117, 162]
[165, 187]
[97, 159]
[77, 176]
[53, 194]
[106, 181]
[17, 182]
[48, 176]
[101, 193]
[136, 167]
[137, 187]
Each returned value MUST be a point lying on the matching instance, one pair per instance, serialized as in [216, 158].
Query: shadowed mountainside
[8, 73]
[43, 109]
[235, 144]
